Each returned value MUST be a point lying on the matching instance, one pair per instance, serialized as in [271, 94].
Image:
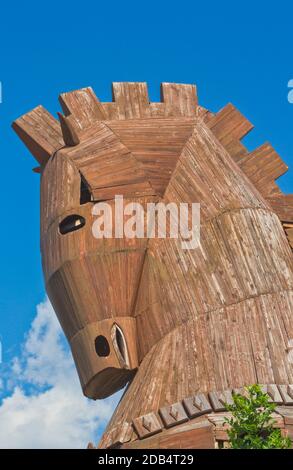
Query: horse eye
[71, 223]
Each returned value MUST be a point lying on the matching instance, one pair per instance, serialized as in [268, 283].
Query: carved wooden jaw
[117, 299]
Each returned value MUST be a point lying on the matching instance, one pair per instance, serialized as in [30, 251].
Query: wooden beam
[131, 100]
[179, 99]
[40, 132]
[263, 166]
[70, 136]
[84, 106]
[283, 206]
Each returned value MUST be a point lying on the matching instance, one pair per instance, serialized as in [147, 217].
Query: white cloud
[45, 407]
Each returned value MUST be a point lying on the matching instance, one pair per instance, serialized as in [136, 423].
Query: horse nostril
[102, 346]
[71, 223]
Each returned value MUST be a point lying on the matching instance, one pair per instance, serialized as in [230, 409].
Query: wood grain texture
[40, 132]
[263, 166]
[132, 101]
[154, 144]
[179, 99]
[105, 163]
[193, 323]
[283, 206]
[106, 375]
[230, 126]
[84, 107]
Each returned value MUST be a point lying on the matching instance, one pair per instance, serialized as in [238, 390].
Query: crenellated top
[43, 134]
[128, 127]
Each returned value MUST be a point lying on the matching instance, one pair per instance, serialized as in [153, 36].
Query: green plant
[251, 424]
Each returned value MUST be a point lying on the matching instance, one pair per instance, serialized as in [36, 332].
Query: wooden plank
[230, 126]
[287, 413]
[220, 425]
[263, 166]
[106, 163]
[179, 99]
[84, 106]
[198, 435]
[286, 393]
[289, 234]
[273, 392]
[40, 132]
[111, 111]
[94, 299]
[283, 206]
[206, 174]
[117, 436]
[131, 100]
[60, 190]
[158, 110]
[129, 190]
[156, 145]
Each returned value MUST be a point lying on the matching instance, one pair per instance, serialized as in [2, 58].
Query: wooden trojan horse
[184, 328]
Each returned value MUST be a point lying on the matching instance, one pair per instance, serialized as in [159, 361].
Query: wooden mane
[42, 134]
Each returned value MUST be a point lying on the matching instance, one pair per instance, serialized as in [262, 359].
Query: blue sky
[233, 53]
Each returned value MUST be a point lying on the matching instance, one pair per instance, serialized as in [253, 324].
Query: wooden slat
[156, 145]
[131, 100]
[229, 126]
[289, 234]
[283, 206]
[158, 110]
[60, 190]
[129, 190]
[207, 175]
[94, 276]
[204, 114]
[58, 249]
[40, 132]
[179, 99]
[105, 162]
[117, 436]
[111, 111]
[263, 166]
[84, 106]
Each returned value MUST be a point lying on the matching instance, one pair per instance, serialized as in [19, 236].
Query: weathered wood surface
[193, 322]
[40, 132]
[157, 429]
